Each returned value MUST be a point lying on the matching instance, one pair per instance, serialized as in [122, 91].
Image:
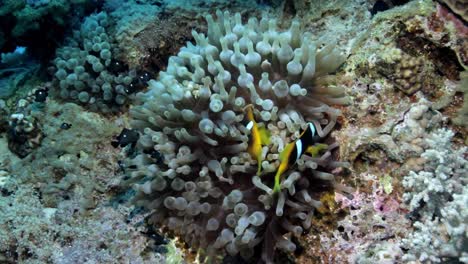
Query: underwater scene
[233, 132]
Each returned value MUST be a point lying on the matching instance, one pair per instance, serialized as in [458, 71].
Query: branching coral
[438, 196]
[206, 188]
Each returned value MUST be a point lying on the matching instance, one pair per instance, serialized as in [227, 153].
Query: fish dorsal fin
[307, 136]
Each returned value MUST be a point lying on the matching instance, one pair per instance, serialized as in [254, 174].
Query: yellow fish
[259, 137]
[294, 150]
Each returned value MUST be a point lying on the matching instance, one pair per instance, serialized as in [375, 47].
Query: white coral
[439, 195]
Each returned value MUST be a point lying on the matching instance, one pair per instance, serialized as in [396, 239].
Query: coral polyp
[207, 189]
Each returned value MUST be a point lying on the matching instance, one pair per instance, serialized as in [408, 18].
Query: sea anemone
[190, 166]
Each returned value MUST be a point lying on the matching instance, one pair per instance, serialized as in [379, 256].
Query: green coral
[19, 19]
[9, 6]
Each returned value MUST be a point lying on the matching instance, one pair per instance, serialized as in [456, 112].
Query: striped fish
[294, 150]
[259, 137]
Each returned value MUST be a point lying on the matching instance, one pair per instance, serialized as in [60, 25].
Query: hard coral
[438, 196]
[205, 189]
[24, 22]
[408, 72]
[132, 18]
[462, 118]
[371, 231]
[24, 129]
[459, 7]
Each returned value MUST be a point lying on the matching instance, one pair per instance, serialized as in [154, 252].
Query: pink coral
[383, 203]
[446, 15]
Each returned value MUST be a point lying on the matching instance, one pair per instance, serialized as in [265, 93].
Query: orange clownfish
[259, 137]
[294, 150]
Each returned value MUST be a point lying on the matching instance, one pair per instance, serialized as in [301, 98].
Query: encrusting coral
[191, 164]
[459, 7]
[24, 130]
[462, 117]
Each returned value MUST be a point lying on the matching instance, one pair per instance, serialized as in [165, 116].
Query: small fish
[157, 156]
[259, 137]
[139, 83]
[65, 126]
[40, 95]
[294, 150]
[117, 67]
[126, 137]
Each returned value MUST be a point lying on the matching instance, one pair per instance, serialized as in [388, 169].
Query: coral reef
[25, 22]
[11, 79]
[372, 230]
[213, 154]
[437, 196]
[205, 188]
[24, 130]
[131, 19]
[88, 71]
[54, 205]
[407, 72]
[459, 7]
[462, 118]
[398, 138]
[31, 232]
[3, 116]
[16, 69]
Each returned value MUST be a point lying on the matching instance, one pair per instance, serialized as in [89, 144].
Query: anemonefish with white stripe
[259, 137]
[294, 150]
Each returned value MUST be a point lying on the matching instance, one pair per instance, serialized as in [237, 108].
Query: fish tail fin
[277, 186]
[281, 169]
[259, 170]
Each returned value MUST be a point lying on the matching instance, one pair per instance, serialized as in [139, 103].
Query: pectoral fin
[316, 149]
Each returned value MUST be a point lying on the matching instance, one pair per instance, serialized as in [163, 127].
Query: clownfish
[259, 137]
[294, 150]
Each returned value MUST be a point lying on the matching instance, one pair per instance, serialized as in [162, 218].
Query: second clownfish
[259, 137]
[294, 150]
